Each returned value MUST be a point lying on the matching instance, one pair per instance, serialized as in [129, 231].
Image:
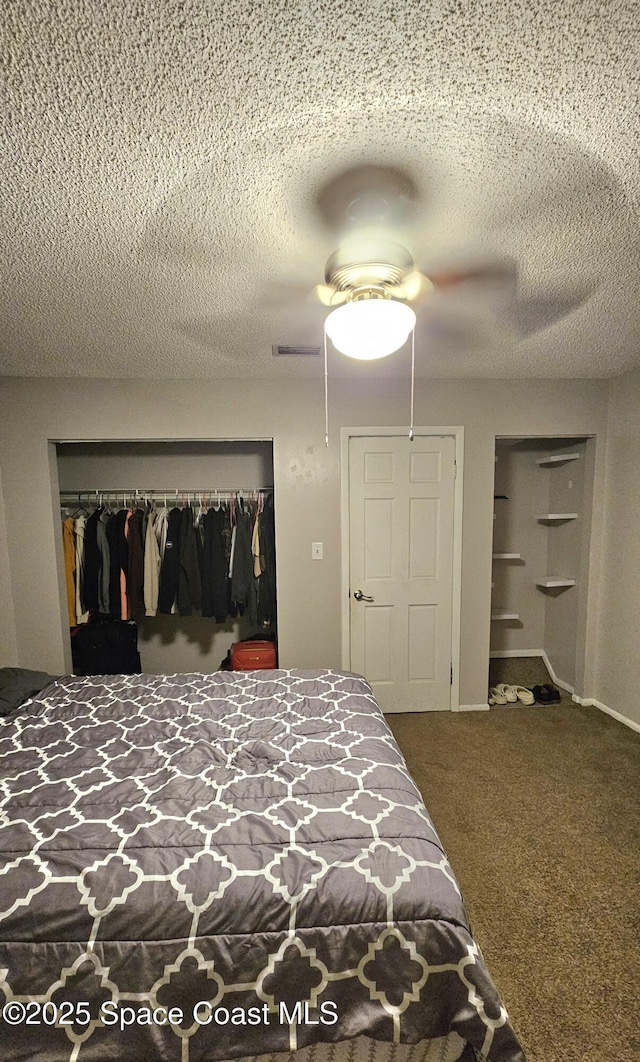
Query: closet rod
[171, 490]
[155, 495]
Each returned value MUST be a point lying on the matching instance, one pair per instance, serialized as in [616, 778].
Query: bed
[205, 867]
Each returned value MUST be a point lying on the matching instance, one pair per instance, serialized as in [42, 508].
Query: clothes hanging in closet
[135, 569]
[151, 566]
[105, 562]
[170, 569]
[242, 561]
[189, 580]
[117, 556]
[69, 549]
[92, 562]
[266, 585]
[215, 598]
[82, 614]
[137, 562]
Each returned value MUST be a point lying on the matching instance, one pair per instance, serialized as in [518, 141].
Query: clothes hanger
[81, 508]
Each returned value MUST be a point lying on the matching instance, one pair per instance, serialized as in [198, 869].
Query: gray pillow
[17, 684]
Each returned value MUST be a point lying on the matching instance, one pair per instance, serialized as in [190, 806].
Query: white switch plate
[316, 551]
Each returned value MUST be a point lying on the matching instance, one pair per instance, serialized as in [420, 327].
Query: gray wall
[617, 681]
[184, 465]
[569, 491]
[8, 647]
[306, 479]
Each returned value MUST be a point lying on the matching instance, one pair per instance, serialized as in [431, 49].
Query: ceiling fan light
[370, 328]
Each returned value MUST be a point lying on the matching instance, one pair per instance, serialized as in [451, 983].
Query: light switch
[316, 551]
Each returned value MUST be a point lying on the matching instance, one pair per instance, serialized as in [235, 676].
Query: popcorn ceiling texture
[160, 161]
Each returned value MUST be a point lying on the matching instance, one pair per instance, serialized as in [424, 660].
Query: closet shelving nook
[556, 517]
[539, 600]
[550, 581]
[502, 614]
[556, 582]
[557, 459]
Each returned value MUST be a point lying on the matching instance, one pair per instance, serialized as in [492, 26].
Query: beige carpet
[538, 809]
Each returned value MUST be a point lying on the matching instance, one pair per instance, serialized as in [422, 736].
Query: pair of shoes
[505, 694]
[502, 694]
[546, 694]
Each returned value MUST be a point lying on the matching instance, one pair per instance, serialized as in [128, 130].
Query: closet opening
[228, 486]
[542, 511]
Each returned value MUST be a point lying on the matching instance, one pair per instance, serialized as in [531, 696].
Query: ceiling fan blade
[449, 332]
[328, 295]
[367, 195]
[323, 293]
[415, 287]
[452, 323]
[533, 314]
[501, 273]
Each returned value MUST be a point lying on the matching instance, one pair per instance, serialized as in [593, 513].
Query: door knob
[359, 596]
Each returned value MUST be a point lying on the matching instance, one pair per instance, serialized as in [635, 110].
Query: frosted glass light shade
[370, 328]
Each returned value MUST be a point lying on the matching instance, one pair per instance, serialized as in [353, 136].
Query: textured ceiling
[160, 162]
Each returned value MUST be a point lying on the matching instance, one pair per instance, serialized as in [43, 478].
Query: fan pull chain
[326, 395]
[413, 377]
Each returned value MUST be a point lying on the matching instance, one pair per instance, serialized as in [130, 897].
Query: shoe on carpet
[507, 691]
[496, 696]
[524, 695]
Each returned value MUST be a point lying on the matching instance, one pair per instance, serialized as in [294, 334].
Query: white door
[401, 510]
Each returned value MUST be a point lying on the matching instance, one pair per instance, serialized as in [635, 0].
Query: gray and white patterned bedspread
[203, 867]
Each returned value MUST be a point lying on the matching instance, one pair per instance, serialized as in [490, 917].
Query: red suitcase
[256, 655]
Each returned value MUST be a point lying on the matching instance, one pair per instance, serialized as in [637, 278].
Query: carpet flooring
[538, 811]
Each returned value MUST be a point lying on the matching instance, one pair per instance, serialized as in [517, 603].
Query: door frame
[457, 434]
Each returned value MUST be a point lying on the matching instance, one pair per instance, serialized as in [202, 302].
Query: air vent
[295, 352]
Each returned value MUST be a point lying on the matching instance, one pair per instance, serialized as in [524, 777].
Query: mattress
[220, 866]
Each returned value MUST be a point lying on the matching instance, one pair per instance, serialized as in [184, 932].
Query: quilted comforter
[205, 867]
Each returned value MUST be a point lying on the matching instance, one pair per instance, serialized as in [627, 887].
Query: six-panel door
[401, 555]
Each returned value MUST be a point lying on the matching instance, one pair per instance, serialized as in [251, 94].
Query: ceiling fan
[372, 285]
[370, 210]
[380, 272]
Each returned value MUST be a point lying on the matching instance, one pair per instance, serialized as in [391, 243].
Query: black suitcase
[106, 648]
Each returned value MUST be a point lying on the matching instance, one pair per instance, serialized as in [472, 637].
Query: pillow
[17, 684]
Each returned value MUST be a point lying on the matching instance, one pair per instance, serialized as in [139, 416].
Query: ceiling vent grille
[295, 352]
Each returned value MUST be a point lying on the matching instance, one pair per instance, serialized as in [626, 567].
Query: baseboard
[472, 708]
[591, 702]
[504, 654]
[558, 681]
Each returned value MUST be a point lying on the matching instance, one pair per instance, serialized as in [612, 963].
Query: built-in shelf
[558, 516]
[506, 556]
[557, 459]
[503, 614]
[555, 580]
